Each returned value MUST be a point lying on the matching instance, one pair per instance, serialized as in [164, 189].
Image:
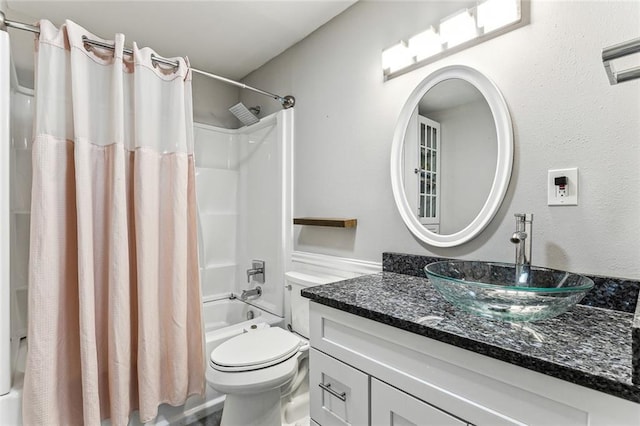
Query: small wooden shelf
[326, 221]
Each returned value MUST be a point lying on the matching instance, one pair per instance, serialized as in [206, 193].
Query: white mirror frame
[504, 132]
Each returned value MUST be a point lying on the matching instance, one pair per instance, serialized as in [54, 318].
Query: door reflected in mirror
[449, 156]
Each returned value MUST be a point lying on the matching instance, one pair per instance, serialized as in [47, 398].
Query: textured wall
[565, 114]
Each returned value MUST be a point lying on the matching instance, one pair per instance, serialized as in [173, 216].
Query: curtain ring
[85, 43]
[155, 60]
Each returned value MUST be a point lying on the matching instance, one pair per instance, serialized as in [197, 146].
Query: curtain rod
[286, 101]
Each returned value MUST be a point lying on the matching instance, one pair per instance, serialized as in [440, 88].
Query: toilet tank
[298, 305]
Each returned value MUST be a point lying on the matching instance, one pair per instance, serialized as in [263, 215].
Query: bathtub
[223, 319]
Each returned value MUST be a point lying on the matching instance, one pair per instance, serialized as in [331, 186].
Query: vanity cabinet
[381, 375]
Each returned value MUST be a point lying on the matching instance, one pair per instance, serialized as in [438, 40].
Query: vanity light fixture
[397, 57]
[458, 28]
[490, 18]
[495, 14]
[425, 44]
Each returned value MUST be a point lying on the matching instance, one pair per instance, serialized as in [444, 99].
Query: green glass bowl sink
[491, 290]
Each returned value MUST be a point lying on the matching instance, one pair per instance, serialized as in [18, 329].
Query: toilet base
[261, 409]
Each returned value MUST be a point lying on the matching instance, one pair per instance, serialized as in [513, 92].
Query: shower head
[244, 114]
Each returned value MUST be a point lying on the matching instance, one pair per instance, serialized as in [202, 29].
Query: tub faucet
[257, 292]
[522, 239]
[257, 271]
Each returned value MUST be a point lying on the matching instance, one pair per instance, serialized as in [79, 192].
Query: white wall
[5, 226]
[564, 112]
[216, 152]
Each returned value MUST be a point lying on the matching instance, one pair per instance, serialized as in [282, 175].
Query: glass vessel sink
[490, 289]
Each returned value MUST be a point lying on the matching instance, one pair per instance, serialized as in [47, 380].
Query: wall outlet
[562, 195]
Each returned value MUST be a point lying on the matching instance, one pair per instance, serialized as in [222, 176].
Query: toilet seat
[255, 350]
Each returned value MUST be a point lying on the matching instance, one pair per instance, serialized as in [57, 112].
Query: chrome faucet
[257, 271]
[522, 239]
[257, 292]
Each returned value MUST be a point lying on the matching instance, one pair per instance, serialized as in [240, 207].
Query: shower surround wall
[217, 186]
[22, 102]
[14, 295]
[243, 186]
[5, 291]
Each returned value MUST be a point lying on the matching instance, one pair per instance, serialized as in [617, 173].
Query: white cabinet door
[392, 407]
[339, 394]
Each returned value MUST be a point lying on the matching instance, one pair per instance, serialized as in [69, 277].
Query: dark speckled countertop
[588, 346]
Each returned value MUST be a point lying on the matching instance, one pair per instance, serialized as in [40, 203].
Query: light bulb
[458, 28]
[425, 44]
[396, 57]
[495, 14]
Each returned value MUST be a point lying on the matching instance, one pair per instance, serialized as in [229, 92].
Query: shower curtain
[114, 298]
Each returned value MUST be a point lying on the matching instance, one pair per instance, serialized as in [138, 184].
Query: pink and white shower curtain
[115, 317]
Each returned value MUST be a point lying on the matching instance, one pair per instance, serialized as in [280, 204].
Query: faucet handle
[257, 270]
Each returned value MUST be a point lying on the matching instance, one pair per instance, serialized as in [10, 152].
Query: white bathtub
[223, 319]
[226, 318]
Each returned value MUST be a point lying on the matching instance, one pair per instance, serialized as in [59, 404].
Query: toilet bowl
[254, 369]
[259, 368]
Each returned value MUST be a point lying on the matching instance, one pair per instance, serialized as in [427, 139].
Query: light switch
[562, 187]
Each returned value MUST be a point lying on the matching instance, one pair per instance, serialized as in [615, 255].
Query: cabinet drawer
[392, 407]
[339, 394]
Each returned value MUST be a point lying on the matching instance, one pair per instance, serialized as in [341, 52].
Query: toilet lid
[255, 349]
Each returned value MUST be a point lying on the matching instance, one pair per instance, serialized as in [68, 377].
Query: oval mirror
[451, 156]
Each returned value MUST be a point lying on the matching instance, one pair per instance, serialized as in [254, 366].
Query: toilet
[258, 368]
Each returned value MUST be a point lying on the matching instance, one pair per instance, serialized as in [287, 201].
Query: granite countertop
[588, 346]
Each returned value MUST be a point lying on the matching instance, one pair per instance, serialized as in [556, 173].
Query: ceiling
[229, 38]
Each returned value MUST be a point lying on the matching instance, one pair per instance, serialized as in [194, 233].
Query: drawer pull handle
[341, 396]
